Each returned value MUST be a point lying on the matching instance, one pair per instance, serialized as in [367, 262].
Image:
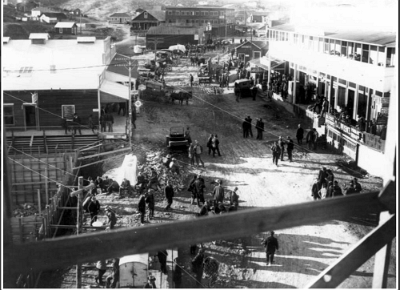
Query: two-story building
[46, 79]
[52, 17]
[353, 70]
[119, 18]
[146, 19]
[221, 19]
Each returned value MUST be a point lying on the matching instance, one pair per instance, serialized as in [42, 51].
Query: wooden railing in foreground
[62, 252]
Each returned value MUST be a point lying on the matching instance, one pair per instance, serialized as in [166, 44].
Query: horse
[192, 61]
[181, 96]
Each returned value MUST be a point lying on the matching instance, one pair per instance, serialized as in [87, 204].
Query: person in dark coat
[234, 198]
[249, 126]
[299, 135]
[199, 187]
[169, 194]
[142, 207]
[114, 276]
[310, 138]
[245, 127]
[350, 189]
[322, 177]
[276, 152]
[218, 192]
[197, 267]
[113, 186]
[65, 125]
[314, 190]
[281, 144]
[103, 122]
[337, 191]
[271, 245]
[77, 123]
[215, 141]
[111, 218]
[93, 208]
[122, 107]
[191, 188]
[150, 203]
[209, 144]
[177, 276]
[260, 129]
[290, 147]
[254, 92]
[357, 186]
[162, 258]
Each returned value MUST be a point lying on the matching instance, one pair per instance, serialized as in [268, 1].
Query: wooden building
[181, 35]
[66, 28]
[45, 80]
[50, 17]
[251, 50]
[119, 18]
[146, 19]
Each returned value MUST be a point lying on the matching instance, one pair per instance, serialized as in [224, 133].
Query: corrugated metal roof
[65, 25]
[120, 15]
[171, 30]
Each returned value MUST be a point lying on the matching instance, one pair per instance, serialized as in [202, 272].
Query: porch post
[294, 84]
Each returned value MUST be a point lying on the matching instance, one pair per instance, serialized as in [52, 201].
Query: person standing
[254, 92]
[299, 134]
[249, 126]
[357, 186]
[276, 152]
[191, 188]
[142, 207]
[216, 142]
[271, 245]
[162, 258]
[289, 148]
[234, 198]
[109, 122]
[199, 186]
[65, 125]
[197, 267]
[198, 151]
[103, 122]
[77, 123]
[150, 203]
[209, 144]
[260, 129]
[315, 190]
[122, 107]
[337, 191]
[315, 139]
[111, 218]
[191, 80]
[114, 277]
[169, 194]
[281, 144]
[218, 192]
[133, 119]
[91, 123]
[322, 177]
[101, 267]
[93, 208]
[191, 153]
[310, 139]
[245, 127]
[177, 276]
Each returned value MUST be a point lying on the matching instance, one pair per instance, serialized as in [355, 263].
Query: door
[350, 103]
[30, 116]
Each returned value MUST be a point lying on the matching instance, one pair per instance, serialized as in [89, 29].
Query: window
[287, 36]
[373, 55]
[362, 101]
[177, 13]
[256, 54]
[146, 15]
[391, 51]
[357, 51]
[169, 12]
[320, 44]
[365, 53]
[331, 46]
[381, 56]
[68, 111]
[326, 46]
[350, 50]
[215, 13]
[341, 101]
[202, 13]
[60, 30]
[205, 13]
[8, 114]
[343, 49]
[343, 82]
[197, 13]
[188, 12]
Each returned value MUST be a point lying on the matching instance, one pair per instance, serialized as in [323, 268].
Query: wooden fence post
[39, 202]
[78, 229]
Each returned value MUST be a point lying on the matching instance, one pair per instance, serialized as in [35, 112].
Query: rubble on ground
[27, 209]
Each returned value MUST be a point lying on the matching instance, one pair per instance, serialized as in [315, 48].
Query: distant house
[146, 19]
[26, 7]
[172, 35]
[52, 17]
[38, 11]
[259, 17]
[251, 50]
[66, 28]
[120, 18]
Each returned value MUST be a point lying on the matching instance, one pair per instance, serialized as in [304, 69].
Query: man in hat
[169, 194]
[281, 144]
[271, 245]
[150, 282]
[218, 192]
[289, 148]
[198, 150]
[111, 218]
[150, 203]
[142, 207]
[173, 166]
[125, 185]
[198, 187]
[276, 152]
[93, 208]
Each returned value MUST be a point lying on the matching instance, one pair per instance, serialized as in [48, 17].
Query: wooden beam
[72, 250]
[30, 143]
[28, 183]
[105, 153]
[387, 196]
[361, 252]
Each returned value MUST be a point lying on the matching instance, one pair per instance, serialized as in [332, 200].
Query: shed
[66, 28]
[133, 270]
[119, 18]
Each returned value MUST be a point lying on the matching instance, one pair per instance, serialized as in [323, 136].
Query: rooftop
[159, 15]
[59, 15]
[199, 7]
[120, 15]
[65, 24]
[52, 65]
[172, 30]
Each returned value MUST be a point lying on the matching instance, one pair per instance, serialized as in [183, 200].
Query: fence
[61, 252]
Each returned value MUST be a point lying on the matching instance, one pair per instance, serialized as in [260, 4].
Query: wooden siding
[169, 40]
[141, 18]
[51, 101]
[18, 109]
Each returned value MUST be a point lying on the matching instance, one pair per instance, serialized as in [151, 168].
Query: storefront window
[341, 101]
[320, 44]
[362, 102]
[373, 54]
[326, 46]
[331, 46]
[365, 53]
[381, 56]
[343, 49]
[350, 50]
[390, 56]
[287, 36]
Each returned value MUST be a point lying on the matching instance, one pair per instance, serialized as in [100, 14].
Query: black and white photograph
[199, 144]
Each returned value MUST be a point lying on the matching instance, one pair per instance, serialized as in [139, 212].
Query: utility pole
[156, 41]
[78, 229]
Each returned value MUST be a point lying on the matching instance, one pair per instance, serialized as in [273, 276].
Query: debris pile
[26, 209]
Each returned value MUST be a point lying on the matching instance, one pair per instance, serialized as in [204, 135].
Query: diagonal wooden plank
[335, 274]
[387, 196]
[91, 247]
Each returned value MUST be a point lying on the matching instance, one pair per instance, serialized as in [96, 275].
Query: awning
[111, 92]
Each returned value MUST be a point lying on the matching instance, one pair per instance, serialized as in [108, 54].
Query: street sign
[134, 92]
[138, 104]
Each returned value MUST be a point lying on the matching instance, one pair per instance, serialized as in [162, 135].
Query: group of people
[92, 206]
[278, 149]
[325, 186]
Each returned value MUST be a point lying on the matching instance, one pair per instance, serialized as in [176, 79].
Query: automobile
[176, 140]
[243, 83]
[242, 87]
[226, 41]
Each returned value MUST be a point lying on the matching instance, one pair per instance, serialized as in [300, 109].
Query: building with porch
[146, 19]
[250, 50]
[45, 80]
[353, 71]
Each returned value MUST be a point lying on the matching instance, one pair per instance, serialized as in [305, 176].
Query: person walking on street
[209, 144]
[299, 134]
[245, 127]
[310, 139]
[249, 126]
[91, 123]
[218, 192]
[271, 245]
[281, 144]
[198, 151]
[276, 152]
[216, 142]
[101, 267]
[169, 194]
[93, 208]
[77, 123]
[199, 186]
[142, 207]
[191, 153]
[191, 188]
[289, 148]
[150, 203]
[197, 267]
[191, 80]
[260, 129]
